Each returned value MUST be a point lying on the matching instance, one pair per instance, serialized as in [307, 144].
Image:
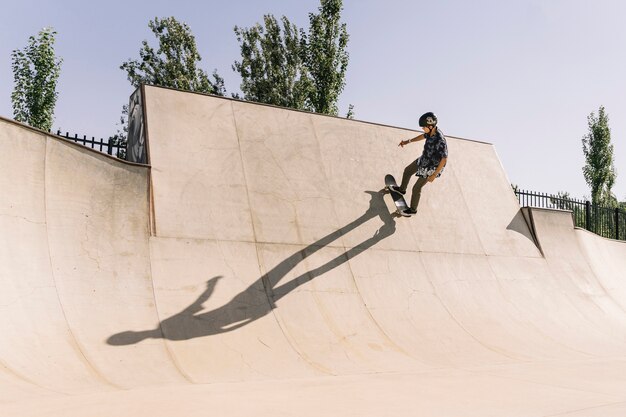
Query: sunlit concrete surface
[256, 267]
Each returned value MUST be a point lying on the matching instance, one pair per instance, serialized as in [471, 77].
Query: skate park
[254, 264]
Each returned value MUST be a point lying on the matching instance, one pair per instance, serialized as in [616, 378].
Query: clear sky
[521, 74]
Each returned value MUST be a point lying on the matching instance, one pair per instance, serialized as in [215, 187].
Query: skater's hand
[432, 178]
[402, 143]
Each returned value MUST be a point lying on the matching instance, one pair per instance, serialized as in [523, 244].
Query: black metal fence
[107, 146]
[605, 221]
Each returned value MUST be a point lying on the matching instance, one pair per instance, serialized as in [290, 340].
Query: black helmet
[428, 119]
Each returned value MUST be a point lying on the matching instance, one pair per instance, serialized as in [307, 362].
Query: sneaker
[408, 212]
[397, 189]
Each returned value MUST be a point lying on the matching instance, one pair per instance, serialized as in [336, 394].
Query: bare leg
[417, 192]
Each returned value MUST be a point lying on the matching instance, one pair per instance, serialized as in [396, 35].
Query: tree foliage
[599, 171]
[36, 70]
[175, 62]
[271, 67]
[287, 66]
[325, 54]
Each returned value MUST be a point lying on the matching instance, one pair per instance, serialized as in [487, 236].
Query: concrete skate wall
[331, 276]
[285, 207]
[74, 267]
[291, 177]
[258, 246]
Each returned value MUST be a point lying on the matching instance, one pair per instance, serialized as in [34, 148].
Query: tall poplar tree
[291, 67]
[175, 61]
[599, 170]
[326, 57]
[271, 66]
[36, 70]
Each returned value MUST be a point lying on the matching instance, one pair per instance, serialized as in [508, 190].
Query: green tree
[175, 62]
[271, 67]
[287, 66]
[324, 52]
[599, 170]
[36, 70]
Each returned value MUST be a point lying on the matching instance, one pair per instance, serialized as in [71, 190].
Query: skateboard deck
[398, 199]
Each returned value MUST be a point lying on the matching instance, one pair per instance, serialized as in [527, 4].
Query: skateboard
[398, 199]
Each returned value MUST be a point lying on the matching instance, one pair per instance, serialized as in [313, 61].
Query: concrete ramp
[256, 267]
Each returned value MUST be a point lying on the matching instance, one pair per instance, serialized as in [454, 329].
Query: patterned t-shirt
[435, 149]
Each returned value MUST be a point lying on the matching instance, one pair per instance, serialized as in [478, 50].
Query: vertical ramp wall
[341, 286]
[74, 269]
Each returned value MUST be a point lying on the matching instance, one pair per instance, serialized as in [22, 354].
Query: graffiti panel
[136, 147]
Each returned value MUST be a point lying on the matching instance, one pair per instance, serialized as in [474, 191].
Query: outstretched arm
[415, 139]
[197, 305]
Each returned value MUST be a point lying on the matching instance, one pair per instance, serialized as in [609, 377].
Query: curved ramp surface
[257, 267]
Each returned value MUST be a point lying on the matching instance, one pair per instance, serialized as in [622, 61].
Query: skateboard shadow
[252, 303]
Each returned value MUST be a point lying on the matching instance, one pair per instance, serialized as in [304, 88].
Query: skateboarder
[428, 166]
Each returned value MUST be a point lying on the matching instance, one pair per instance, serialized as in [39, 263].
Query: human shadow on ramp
[252, 303]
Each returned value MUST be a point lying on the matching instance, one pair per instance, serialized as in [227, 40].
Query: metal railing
[109, 146]
[608, 222]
